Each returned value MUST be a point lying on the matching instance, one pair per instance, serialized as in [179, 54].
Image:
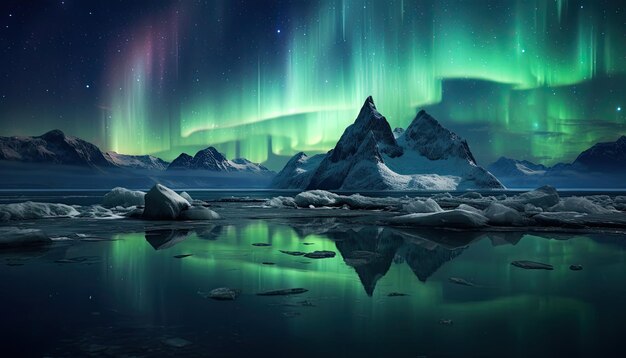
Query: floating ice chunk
[198, 213]
[532, 210]
[13, 236]
[186, 196]
[322, 198]
[501, 215]
[470, 209]
[544, 197]
[163, 203]
[579, 205]
[123, 197]
[450, 218]
[316, 198]
[97, 211]
[33, 210]
[280, 202]
[422, 206]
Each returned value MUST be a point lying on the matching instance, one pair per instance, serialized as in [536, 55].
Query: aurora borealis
[538, 79]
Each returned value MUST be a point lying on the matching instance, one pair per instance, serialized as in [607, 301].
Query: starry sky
[539, 80]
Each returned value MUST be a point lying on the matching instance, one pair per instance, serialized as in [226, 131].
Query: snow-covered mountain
[212, 160]
[601, 166]
[368, 156]
[53, 147]
[507, 167]
[147, 162]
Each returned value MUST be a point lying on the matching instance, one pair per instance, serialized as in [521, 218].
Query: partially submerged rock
[163, 203]
[221, 294]
[293, 253]
[576, 267]
[320, 254]
[284, 292]
[532, 265]
[261, 244]
[461, 281]
[197, 212]
[396, 294]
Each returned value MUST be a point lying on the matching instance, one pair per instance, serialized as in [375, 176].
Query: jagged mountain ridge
[53, 147]
[211, 159]
[369, 156]
[147, 162]
[602, 165]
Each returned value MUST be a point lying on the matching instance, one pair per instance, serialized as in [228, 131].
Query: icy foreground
[369, 156]
[542, 207]
[160, 203]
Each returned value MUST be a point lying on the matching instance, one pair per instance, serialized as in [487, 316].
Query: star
[619, 109]
[87, 86]
[278, 31]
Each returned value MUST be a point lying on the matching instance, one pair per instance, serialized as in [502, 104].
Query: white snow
[163, 203]
[123, 197]
[13, 236]
[422, 206]
[322, 198]
[33, 210]
[280, 202]
[186, 196]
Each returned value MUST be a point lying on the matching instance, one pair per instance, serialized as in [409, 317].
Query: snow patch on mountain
[369, 156]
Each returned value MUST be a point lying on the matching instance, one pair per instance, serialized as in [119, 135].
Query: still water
[125, 294]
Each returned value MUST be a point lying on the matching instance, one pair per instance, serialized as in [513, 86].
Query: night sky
[536, 80]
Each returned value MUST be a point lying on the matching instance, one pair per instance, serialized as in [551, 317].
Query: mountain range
[370, 156]
[57, 160]
[601, 166]
[211, 159]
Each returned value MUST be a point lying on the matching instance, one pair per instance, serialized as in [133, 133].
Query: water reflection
[138, 287]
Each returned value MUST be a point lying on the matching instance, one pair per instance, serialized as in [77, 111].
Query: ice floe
[123, 197]
[13, 236]
[542, 207]
[32, 210]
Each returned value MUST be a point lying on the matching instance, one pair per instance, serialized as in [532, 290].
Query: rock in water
[261, 244]
[320, 254]
[396, 294]
[461, 281]
[221, 294]
[576, 267]
[293, 253]
[163, 203]
[197, 212]
[531, 265]
[285, 292]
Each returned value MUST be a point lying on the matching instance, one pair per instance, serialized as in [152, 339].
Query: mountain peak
[435, 142]
[53, 134]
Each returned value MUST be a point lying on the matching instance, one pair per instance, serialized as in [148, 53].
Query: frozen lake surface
[130, 287]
